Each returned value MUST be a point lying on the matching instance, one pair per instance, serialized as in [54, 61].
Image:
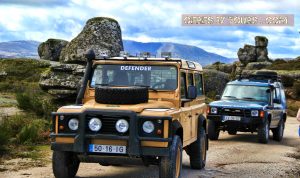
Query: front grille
[108, 125]
[232, 112]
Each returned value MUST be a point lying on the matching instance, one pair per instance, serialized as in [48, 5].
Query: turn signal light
[207, 110]
[61, 127]
[262, 114]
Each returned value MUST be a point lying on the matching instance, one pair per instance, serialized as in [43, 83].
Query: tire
[64, 164]
[213, 133]
[264, 132]
[232, 132]
[121, 95]
[278, 132]
[170, 166]
[197, 151]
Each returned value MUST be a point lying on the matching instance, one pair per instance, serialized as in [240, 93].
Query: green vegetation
[296, 89]
[26, 131]
[281, 64]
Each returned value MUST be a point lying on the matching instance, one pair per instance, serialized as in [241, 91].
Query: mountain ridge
[28, 49]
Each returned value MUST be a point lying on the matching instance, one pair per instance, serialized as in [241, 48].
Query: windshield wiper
[230, 97]
[248, 98]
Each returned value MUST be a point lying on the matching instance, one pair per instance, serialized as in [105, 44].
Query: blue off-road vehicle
[253, 103]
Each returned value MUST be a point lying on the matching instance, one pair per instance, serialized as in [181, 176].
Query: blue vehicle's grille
[232, 112]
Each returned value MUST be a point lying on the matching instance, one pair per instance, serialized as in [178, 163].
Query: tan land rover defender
[133, 110]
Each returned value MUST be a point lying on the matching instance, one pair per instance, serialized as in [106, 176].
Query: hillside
[178, 50]
[19, 49]
[28, 49]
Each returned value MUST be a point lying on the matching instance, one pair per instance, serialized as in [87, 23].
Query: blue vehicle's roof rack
[261, 76]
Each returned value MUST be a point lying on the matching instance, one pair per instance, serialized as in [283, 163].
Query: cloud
[35, 2]
[150, 21]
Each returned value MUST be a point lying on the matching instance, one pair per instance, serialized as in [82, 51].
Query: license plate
[231, 118]
[107, 149]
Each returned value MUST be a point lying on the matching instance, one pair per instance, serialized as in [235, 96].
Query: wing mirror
[192, 92]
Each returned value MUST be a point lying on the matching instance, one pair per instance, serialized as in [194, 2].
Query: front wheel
[264, 132]
[213, 132]
[64, 164]
[278, 132]
[170, 166]
[197, 151]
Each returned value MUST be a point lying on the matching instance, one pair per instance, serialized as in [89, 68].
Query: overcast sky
[152, 21]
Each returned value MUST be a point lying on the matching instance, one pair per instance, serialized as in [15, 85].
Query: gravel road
[231, 156]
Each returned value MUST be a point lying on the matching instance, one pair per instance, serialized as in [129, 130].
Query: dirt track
[231, 156]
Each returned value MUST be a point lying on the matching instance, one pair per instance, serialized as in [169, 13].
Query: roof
[251, 83]
[185, 64]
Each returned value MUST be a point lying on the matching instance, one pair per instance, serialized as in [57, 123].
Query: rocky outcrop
[226, 68]
[62, 80]
[51, 49]
[215, 81]
[64, 77]
[257, 53]
[99, 34]
[257, 65]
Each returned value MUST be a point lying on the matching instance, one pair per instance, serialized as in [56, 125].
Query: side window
[276, 93]
[182, 84]
[199, 84]
[190, 79]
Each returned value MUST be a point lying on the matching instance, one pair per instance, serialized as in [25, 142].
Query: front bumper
[245, 124]
[137, 145]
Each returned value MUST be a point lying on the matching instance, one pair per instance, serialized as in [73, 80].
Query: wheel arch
[202, 122]
[177, 129]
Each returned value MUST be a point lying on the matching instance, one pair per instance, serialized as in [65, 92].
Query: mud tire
[263, 132]
[197, 150]
[64, 164]
[213, 133]
[278, 132]
[171, 166]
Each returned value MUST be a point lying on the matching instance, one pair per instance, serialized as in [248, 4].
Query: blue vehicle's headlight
[254, 113]
[214, 110]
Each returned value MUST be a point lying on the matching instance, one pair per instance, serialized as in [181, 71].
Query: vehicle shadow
[253, 138]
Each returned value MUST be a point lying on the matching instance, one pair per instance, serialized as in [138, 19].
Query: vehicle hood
[152, 104]
[238, 104]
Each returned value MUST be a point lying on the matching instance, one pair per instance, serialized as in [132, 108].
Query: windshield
[241, 92]
[154, 77]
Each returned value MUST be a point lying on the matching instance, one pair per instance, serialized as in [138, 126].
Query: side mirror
[218, 97]
[192, 92]
[277, 101]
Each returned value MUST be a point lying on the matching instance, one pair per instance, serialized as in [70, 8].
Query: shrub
[24, 129]
[34, 100]
[287, 81]
[296, 89]
[28, 134]
[4, 139]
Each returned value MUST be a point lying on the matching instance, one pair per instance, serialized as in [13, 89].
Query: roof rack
[261, 76]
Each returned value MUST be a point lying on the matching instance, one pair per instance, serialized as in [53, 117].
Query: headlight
[73, 124]
[214, 110]
[254, 113]
[95, 124]
[148, 126]
[122, 126]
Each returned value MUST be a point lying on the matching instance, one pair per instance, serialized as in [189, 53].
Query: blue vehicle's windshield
[251, 93]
